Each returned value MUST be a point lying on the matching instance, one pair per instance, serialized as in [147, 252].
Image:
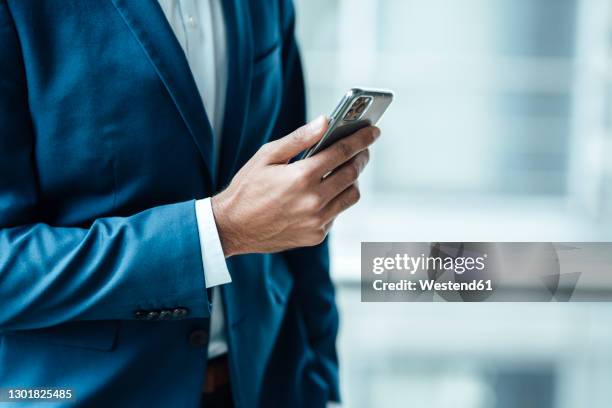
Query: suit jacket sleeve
[310, 266]
[107, 270]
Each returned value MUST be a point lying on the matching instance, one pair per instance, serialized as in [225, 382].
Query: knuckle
[344, 149]
[354, 194]
[362, 160]
[266, 148]
[366, 156]
[299, 136]
[374, 133]
[319, 236]
[304, 176]
[318, 221]
[354, 169]
[369, 136]
[313, 203]
[318, 201]
[310, 172]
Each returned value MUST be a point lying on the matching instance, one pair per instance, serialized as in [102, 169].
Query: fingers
[282, 150]
[349, 197]
[342, 151]
[345, 175]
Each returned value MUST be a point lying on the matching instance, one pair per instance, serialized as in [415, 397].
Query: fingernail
[317, 124]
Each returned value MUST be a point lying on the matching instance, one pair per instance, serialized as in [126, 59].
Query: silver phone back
[344, 121]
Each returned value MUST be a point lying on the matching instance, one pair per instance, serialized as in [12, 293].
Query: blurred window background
[501, 130]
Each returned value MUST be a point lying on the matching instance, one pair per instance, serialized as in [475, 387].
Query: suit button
[152, 315]
[140, 314]
[198, 338]
[179, 312]
[165, 314]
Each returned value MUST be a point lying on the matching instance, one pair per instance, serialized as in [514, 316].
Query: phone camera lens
[358, 108]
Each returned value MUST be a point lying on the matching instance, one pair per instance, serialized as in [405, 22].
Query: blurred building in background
[501, 130]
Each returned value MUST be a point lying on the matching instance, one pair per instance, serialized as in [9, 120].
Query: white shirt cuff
[213, 259]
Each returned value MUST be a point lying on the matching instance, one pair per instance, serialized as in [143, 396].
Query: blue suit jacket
[104, 145]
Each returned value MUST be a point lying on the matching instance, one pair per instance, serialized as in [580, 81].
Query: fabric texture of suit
[104, 146]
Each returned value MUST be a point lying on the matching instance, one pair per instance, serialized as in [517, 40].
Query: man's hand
[272, 206]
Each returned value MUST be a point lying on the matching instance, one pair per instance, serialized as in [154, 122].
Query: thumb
[282, 150]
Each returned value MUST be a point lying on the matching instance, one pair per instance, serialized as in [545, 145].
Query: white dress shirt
[200, 29]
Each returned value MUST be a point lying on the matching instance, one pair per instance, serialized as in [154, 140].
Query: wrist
[228, 235]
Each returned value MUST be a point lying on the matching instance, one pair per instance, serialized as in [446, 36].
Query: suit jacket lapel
[240, 57]
[147, 22]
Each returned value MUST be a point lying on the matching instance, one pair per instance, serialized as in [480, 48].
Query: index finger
[342, 151]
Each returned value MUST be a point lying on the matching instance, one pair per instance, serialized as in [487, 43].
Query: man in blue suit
[122, 282]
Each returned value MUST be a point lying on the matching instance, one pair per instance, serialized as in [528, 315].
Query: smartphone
[358, 108]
